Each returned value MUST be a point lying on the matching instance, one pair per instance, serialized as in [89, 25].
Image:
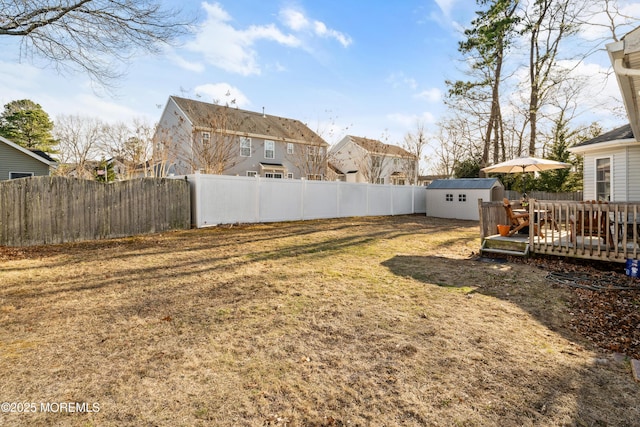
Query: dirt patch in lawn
[357, 321]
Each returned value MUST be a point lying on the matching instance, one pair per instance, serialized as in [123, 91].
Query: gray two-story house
[194, 136]
[19, 162]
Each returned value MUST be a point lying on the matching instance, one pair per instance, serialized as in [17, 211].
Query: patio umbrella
[525, 164]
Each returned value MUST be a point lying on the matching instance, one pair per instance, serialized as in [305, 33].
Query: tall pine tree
[25, 123]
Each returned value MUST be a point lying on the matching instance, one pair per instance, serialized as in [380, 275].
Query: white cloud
[16, 80]
[409, 120]
[431, 95]
[399, 79]
[231, 49]
[297, 21]
[294, 19]
[445, 6]
[223, 94]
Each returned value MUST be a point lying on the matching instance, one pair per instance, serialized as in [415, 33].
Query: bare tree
[488, 40]
[414, 144]
[81, 141]
[548, 24]
[310, 160]
[132, 145]
[454, 144]
[89, 34]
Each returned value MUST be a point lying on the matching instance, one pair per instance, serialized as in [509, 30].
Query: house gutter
[259, 136]
[620, 69]
[606, 145]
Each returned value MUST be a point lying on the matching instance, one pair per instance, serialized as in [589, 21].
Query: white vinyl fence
[221, 199]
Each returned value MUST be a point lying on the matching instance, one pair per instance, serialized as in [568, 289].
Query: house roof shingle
[43, 155]
[201, 115]
[375, 146]
[623, 132]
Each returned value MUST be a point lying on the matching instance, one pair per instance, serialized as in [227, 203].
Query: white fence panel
[380, 200]
[219, 199]
[320, 199]
[420, 200]
[280, 200]
[223, 199]
[352, 199]
[403, 200]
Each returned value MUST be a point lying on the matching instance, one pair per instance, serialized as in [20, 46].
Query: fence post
[481, 219]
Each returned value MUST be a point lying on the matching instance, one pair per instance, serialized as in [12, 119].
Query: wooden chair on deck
[518, 221]
[592, 222]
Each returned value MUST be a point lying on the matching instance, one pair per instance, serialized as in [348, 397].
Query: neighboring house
[428, 179]
[369, 160]
[458, 198]
[194, 136]
[612, 160]
[19, 162]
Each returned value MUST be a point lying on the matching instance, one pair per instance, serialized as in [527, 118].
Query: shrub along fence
[43, 210]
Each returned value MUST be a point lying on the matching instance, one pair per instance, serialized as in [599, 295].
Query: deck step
[513, 252]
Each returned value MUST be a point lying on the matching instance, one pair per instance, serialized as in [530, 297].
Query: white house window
[206, 138]
[448, 197]
[462, 197]
[252, 173]
[376, 162]
[289, 147]
[273, 175]
[290, 175]
[379, 180]
[245, 147]
[314, 177]
[269, 149]
[603, 179]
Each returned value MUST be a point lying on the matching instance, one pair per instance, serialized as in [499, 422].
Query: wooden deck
[567, 230]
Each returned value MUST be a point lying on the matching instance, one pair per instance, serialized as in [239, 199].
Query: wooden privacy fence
[43, 210]
[543, 195]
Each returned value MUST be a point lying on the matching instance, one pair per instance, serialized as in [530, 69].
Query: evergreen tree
[25, 123]
[468, 168]
[105, 166]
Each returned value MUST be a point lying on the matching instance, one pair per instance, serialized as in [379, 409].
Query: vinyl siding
[12, 160]
[625, 170]
[633, 174]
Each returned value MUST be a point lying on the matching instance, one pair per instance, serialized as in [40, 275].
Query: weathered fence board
[543, 195]
[42, 210]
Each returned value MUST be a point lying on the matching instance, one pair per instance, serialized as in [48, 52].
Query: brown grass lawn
[387, 321]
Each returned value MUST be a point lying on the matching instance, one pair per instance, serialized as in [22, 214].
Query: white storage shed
[458, 198]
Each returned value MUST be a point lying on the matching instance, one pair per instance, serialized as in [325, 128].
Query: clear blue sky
[367, 68]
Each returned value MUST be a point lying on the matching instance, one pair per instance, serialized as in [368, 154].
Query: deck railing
[592, 230]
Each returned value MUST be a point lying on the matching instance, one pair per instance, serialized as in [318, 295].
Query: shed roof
[464, 184]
